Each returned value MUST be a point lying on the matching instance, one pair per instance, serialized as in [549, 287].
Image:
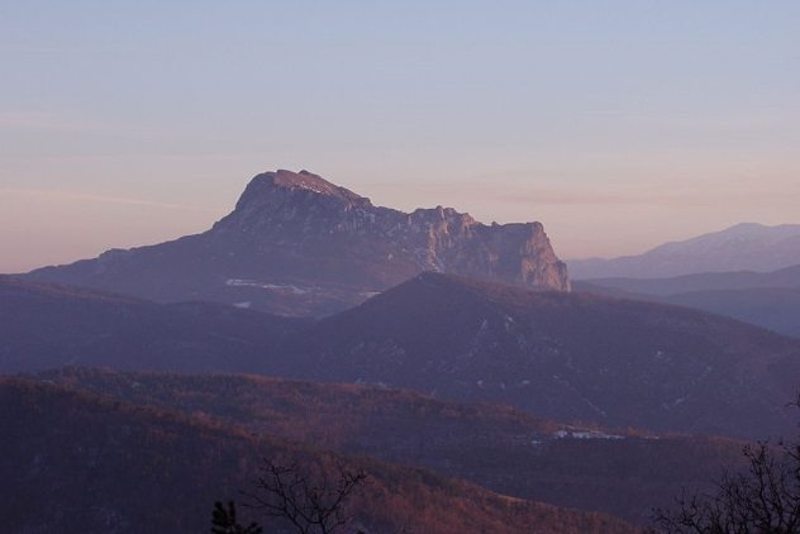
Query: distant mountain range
[770, 300]
[744, 247]
[77, 462]
[724, 281]
[298, 245]
[571, 357]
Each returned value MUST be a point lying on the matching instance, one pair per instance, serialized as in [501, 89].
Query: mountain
[770, 300]
[563, 356]
[570, 357]
[722, 281]
[298, 245]
[776, 309]
[78, 462]
[45, 325]
[744, 247]
[624, 473]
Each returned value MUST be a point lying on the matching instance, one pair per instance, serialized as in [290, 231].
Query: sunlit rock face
[297, 244]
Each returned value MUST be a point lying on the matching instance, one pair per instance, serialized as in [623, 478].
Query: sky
[618, 124]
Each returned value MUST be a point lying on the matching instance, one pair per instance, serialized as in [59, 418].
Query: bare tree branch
[305, 497]
[764, 498]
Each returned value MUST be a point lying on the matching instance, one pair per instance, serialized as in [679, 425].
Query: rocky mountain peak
[274, 198]
[303, 181]
[297, 244]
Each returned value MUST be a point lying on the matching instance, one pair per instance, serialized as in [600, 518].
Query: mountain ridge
[297, 244]
[767, 299]
[78, 462]
[495, 446]
[745, 246]
[566, 356]
[787, 277]
[47, 325]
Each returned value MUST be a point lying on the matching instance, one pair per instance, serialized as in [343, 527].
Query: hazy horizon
[618, 126]
[153, 229]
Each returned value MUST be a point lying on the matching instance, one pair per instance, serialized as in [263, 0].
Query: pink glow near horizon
[619, 125]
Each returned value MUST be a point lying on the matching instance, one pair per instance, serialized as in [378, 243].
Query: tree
[305, 497]
[764, 498]
[223, 521]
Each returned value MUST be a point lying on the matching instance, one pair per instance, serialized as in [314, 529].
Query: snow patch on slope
[237, 282]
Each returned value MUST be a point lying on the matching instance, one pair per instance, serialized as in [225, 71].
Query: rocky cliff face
[298, 209]
[297, 244]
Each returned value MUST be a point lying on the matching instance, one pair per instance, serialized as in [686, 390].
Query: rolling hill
[625, 473]
[777, 309]
[45, 325]
[788, 277]
[77, 462]
[569, 357]
[770, 300]
[563, 356]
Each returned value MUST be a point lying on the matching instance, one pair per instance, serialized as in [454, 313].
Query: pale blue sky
[617, 124]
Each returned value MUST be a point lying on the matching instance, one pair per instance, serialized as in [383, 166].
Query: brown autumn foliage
[80, 462]
[495, 446]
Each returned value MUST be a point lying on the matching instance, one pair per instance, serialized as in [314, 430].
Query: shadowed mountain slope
[45, 325]
[559, 355]
[777, 309]
[770, 300]
[723, 281]
[564, 356]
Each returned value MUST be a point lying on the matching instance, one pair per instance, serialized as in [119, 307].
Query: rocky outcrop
[298, 244]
